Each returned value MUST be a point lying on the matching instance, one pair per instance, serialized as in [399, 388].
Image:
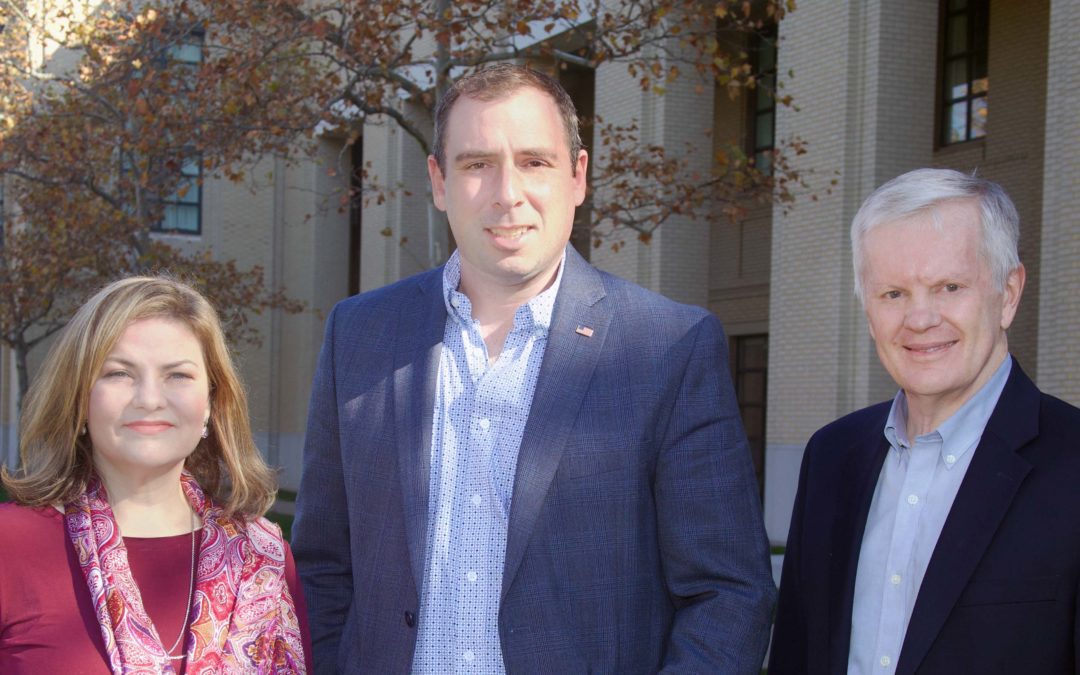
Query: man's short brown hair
[495, 82]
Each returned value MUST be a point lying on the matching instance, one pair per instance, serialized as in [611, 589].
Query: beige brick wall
[398, 164]
[313, 264]
[676, 261]
[1059, 302]
[863, 78]
[740, 253]
[237, 223]
[287, 219]
[1011, 153]
[618, 100]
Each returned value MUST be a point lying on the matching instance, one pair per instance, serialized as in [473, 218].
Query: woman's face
[149, 402]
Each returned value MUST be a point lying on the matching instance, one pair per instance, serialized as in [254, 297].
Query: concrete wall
[289, 219]
[404, 234]
[863, 82]
[675, 262]
[740, 252]
[864, 78]
[1058, 367]
[1011, 153]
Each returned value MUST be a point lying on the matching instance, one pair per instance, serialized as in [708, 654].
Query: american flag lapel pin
[584, 330]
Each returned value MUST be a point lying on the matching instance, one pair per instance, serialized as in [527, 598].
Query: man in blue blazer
[938, 532]
[516, 462]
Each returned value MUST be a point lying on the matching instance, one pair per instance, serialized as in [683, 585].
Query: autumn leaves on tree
[109, 117]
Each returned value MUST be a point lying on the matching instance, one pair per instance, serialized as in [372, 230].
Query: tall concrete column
[1058, 369]
[399, 237]
[314, 242]
[862, 75]
[675, 262]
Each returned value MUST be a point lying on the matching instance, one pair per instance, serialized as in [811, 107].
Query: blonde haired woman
[137, 542]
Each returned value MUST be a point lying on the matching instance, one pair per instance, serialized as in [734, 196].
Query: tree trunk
[22, 371]
[11, 458]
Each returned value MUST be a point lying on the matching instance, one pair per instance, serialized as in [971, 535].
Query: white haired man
[938, 532]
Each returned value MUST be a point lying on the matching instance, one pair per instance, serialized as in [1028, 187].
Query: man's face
[935, 316]
[509, 190]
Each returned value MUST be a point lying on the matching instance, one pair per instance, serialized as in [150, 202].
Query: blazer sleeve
[790, 651]
[711, 534]
[320, 538]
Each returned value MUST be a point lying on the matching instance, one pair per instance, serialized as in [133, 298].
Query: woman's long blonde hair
[57, 460]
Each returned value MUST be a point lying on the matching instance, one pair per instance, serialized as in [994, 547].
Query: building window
[182, 210]
[762, 99]
[965, 30]
[750, 359]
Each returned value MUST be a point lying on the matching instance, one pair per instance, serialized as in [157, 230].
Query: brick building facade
[870, 85]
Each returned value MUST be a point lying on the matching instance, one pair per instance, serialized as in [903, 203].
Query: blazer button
[410, 619]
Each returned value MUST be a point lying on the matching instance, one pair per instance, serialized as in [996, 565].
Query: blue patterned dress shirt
[480, 413]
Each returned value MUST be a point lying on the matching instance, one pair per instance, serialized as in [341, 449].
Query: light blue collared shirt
[915, 491]
[480, 413]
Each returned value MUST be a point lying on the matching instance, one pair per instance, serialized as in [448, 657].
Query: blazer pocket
[1010, 591]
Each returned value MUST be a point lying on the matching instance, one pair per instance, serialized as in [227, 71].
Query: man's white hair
[921, 190]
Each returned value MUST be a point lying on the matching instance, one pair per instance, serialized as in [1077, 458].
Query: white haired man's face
[935, 315]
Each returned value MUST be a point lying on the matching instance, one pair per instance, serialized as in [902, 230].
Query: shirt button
[471, 575]
[913, 499]
[895, 579]
[885, 661]
[950, 459]
[468, 655]
[485, 423]
[477, 500]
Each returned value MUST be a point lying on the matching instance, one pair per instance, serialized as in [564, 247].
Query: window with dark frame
[762, 99]
[750, 360]
[182, 210]
[964, 37]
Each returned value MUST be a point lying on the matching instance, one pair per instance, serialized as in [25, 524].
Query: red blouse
[47, 621]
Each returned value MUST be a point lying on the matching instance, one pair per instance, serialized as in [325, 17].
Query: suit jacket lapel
[993, 477]
[569, 361]
[416, 367]
[858, 480]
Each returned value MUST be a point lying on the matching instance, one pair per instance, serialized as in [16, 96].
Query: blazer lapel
[421, 325]
[861, 473]
[993, 477]
[569, 360]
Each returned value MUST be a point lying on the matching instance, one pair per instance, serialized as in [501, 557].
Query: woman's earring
[82, 431]
[206, 428]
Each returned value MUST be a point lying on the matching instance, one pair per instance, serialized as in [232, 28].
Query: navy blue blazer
[635, 534]
[1000, 591]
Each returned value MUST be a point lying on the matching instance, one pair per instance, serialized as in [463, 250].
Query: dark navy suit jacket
[635, 535]
[1000, 591]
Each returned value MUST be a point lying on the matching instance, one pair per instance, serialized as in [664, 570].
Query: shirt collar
[533, 315]
[963, 429]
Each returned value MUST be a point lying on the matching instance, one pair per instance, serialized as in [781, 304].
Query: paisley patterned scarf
[242, 617]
